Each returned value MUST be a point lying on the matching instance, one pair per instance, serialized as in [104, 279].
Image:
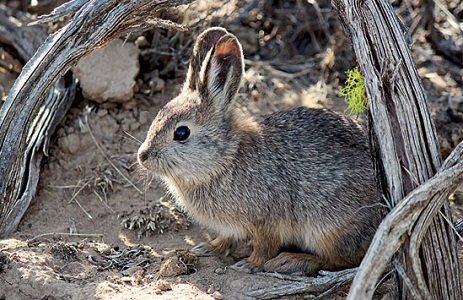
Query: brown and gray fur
[299, 179]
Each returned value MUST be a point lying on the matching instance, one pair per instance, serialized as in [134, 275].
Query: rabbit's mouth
[151, 160]
[148, 158]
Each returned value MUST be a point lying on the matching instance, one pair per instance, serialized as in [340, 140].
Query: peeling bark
[419, 227]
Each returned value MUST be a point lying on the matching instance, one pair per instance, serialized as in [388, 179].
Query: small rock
[183, 263]
[4, 261]
[126, 127]
[172, 267]
[157, 84]
[219, 271]
[70, 144]
[138, 277]
[163, 286]
[102, 112]
[217, 295]
[141, 42]
[134, 126]
[212, 288]
[108, 74]
[456, 103]
[130, 105]
[145, 117]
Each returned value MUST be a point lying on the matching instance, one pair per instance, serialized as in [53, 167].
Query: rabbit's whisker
[134, 139]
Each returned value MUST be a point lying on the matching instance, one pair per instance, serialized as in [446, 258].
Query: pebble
[217, 295]
[145, 117]
[172, 267]
[141, 42]
[134, 126]
[456, 103]
[70, 144]
[102, 112]
[219, 271]
[163, 285]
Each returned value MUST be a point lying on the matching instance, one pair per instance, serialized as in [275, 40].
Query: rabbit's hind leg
[218, 246]
[265, 246]
[294, 263]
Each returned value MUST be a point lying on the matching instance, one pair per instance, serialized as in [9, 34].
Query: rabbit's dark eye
[181, 133]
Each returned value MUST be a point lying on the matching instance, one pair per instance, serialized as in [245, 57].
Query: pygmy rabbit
[299, 179]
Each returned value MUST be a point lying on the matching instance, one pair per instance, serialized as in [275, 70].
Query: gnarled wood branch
[407, 155]
[328, 283]
[56, 102]
[399, 223]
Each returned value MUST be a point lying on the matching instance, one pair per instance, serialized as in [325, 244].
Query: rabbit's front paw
[245, 266]
[204, 249]
[218, 246]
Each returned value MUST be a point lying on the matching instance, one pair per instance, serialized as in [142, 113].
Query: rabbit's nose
[143, 154]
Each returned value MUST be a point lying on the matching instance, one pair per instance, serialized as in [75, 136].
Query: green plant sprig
[354, 92]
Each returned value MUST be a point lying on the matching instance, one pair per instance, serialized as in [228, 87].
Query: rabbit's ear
[221, 72]
[204, 44]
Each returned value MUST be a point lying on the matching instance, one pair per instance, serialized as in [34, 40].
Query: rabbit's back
[319, 157]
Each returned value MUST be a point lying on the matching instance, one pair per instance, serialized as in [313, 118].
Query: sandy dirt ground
[100, 228]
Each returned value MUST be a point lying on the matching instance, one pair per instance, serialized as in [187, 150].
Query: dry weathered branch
[407, 155]
[95, 22]
[67, 9]
[326, 282]
[399, 222]
[25, 40]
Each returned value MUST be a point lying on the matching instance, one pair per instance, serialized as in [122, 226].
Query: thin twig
[276, 72]
[451, 226]
[78, 191]
[74, 198]
[83, 209]
[63, 186]
[102, 201]
[87, 235]
[410, 286]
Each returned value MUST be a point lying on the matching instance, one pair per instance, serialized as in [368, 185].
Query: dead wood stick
[55, 103]
[398, 223]
[323, 283]
[406, 155]
[56, 234]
